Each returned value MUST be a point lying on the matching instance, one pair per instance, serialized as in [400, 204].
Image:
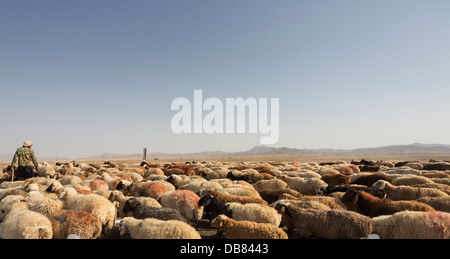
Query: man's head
[27, 144]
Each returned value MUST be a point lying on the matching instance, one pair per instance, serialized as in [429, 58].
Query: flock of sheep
[242, 200]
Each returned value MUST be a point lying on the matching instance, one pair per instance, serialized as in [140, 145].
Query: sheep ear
[355, 199]
[282, 208]
[207, 202]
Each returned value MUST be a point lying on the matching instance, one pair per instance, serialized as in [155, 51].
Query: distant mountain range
[415, 148]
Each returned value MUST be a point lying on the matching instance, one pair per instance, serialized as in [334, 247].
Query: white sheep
[38, 202]
[413, 225]
[47, 171]
[95, 204]
[200, 187]
[403, 170]
[249, 211]
[438, 203]
[406, 192]
[26, 224]
[234, 229]
[12, 202]
[180, 180]
[255, 212]
[306, 186]
[151, 228]
[411, 180]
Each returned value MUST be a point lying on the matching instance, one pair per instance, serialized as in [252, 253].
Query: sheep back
[81, 223]
[25, 224]
[151, 228]
[413, 225]
[330, 224]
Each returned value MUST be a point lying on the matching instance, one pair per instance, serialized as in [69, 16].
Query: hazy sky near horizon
[79, 78]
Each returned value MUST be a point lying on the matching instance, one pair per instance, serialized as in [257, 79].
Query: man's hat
[27, 143]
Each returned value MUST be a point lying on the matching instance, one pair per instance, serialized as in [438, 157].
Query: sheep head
[220, 221]
[351, 196]
[322, 190]
[130, 205]
[205, 200]
[380, 184]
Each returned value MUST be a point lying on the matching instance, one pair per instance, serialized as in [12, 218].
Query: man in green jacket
[26, 159]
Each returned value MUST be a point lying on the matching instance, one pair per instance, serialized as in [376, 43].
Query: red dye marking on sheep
[437, 221]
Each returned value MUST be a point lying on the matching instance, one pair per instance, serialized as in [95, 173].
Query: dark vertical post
[145, 154]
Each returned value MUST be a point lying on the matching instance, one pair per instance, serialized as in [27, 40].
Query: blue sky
[80, 78]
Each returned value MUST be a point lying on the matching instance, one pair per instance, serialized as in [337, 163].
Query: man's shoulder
[24, 150]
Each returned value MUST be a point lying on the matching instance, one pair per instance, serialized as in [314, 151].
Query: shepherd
[26, 159]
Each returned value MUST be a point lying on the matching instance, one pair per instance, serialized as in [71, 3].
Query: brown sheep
[372, 206]
[225, 198]
[272, 196]
[335, 179]
[369, 180]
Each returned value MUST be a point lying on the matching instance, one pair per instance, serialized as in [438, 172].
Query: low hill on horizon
[415, 148]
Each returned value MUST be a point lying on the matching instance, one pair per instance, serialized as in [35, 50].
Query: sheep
[95, 204]
[141, 212]
[12, 202]
[238, 177]
[311, 186]
[435, 174]
[414, 165]
[308, 174]
[273, 195]
[186, 202]
[47, 171]
[153, 171]
[180, 180]
[151, 228]
[411, 180]
[327, 224]
[38, 202]
[12, 191]
[438, 203]
[272, 184]
[327, 170]
[406, 192]
[122, 199]
[147, 189]
[403, 171]
[331, 202]
[26, 224]
[335, 179]
[344, 188]
[240, 190]
[369, 180]
[234, 229]
[413, 225]
[70, 180]
[81, 223]
[311, 204]
[224, 197]
[249, 211]
[200, 187]
[179, 170]
[372, 206]
[441, 166]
